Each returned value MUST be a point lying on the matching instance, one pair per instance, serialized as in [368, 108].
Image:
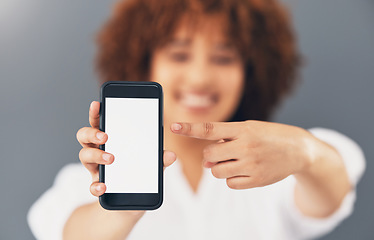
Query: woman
[224, 66]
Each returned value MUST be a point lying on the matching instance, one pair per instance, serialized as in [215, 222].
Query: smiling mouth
[197, 101]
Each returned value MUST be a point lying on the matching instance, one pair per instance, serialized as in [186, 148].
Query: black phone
[131, 114]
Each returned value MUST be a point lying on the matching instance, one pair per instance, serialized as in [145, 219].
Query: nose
[199, 74]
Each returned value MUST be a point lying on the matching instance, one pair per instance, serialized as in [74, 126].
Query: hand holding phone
[132, 116]
[91, 156]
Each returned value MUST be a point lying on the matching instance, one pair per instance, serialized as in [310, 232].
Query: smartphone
[131, 114]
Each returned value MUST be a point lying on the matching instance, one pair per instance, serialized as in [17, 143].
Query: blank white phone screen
[132, 128]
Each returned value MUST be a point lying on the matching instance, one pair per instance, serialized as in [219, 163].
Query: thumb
[94, 114]
[169, 158]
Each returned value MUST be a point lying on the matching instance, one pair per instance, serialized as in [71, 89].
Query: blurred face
[201, 73]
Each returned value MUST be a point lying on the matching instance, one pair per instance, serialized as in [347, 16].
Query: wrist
[317, 155]
[132, 215]
[123, 216]
[311, 153]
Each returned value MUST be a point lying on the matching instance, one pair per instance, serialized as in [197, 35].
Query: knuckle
[251, 122]
[253, 158]
[91, 154]
[250, 143]
[248, 125]
[86, 154]
[81, 154]
[208, 128]
[93, 135]
[92, 189]
[79, 133]
[256, 161]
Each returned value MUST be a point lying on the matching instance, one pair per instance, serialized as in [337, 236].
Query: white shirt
[214, 212]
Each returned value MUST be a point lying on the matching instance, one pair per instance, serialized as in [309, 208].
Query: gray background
[47, 83]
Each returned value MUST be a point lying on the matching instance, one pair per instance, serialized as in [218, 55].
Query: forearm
[91, 221]
[321, 187]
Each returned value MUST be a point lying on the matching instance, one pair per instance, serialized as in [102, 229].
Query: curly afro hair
[259, 29]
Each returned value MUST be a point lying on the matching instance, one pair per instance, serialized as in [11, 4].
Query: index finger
[206, 130]
[94, 114]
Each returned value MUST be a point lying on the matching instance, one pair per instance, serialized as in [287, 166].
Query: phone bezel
[132, 201]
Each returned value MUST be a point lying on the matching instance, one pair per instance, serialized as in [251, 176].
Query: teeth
[197, 101]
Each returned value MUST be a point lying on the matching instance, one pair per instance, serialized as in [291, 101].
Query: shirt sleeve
[48, 215]
[303, 227]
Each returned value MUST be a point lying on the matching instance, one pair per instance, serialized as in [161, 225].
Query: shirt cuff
[306, 227]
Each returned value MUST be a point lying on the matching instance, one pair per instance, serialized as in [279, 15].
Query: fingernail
[98, 188]
[106, 157]
[100, 135]
[91, 105]
[176, 126]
